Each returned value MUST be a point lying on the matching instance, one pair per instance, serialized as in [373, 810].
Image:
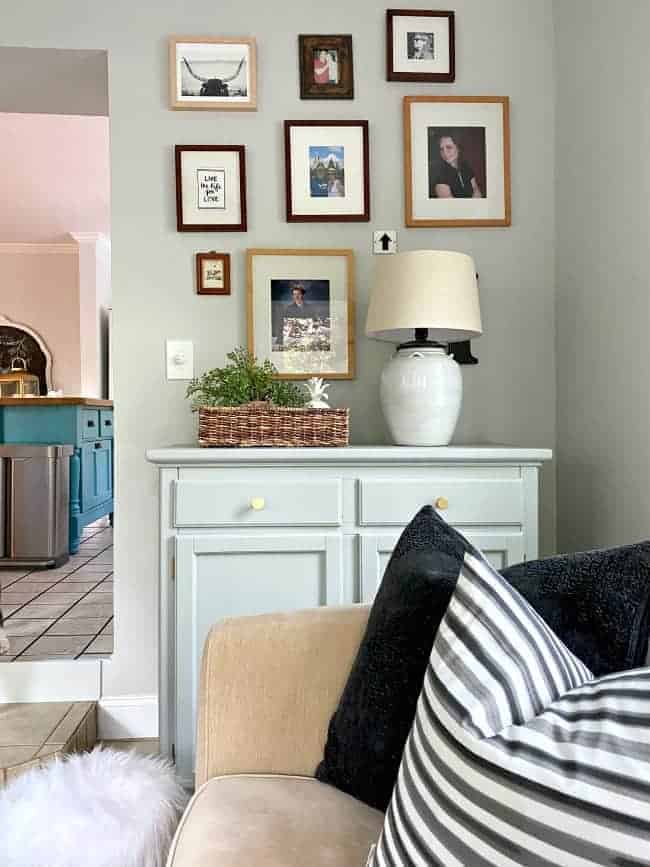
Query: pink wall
[54, 176]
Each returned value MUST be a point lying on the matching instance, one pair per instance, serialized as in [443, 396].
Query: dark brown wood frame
[363, 217]
[200, 259]
[309, 89]
[209, 227]
[391, 75]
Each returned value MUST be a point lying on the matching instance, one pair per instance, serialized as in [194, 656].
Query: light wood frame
[408, 162]
[250, 326]
[214, 103]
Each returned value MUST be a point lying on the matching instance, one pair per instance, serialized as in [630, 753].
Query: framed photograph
[327, 174]
[210, 188]
[212, 73]
[301, 311]
[326, 67]
[420, 45]
[457, 161]
[213, 273]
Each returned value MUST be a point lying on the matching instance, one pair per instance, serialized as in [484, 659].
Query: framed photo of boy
[326, 67]
[457, 161]
[213, 273]
[215, 73]
[301, 311]
[210, 188]
[327, 173]
[420, 45]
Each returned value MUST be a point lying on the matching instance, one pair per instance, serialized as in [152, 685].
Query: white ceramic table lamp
[423, 300]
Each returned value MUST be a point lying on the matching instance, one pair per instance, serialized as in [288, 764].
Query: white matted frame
[210, 188]
[484, 117]
[214, 73]
[268, 268]
[420, 45]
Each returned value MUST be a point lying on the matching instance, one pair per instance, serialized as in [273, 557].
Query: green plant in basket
[242, 381]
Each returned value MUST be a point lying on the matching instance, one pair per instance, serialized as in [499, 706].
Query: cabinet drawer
[89, 424]
[106, 423]
[459, 501]
[257, 503]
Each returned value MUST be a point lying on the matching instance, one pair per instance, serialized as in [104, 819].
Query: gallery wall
[503, 47]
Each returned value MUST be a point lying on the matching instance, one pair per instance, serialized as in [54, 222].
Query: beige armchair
[269, 685]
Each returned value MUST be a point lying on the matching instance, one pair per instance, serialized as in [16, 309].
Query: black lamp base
[421, 341]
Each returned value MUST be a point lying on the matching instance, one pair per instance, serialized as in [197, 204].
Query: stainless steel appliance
[34, 504]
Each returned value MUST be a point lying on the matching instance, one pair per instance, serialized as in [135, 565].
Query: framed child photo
[210, 188]
[215, 73]
[457, 161]
[213, 273]
[301, 311]
[326, 67]
[420, 46]
[327, 173]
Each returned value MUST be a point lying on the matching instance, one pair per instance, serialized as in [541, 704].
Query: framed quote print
[210, 188]
[301, 311]
[326, 67]
[420, 46]
[327, 173]
[215, 73]
[457, 161]
[213, 273]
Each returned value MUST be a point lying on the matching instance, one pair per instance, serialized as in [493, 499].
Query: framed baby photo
[301, 311]
[326, 67]
[213, 273]
[457, 161]
[210, 188]
[420, 46]
[327, 173]
[215, 73]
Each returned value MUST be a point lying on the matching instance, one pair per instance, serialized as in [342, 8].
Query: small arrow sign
[384, 241]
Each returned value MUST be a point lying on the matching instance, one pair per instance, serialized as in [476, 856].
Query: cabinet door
[228, 576]
[500, 549]
[96, 473]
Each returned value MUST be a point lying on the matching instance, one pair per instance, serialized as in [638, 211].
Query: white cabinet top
[368, 455]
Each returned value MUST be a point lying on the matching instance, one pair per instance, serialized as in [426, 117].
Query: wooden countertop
[55, 401]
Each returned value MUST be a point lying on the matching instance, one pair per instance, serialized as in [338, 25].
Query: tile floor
[64, 613]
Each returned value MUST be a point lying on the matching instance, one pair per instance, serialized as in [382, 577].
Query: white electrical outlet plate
[180, 359]
[384, 241]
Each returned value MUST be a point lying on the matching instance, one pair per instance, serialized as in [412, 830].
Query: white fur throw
[98, 809]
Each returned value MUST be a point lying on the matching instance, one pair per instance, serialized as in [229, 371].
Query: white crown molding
[124, 717]
[35, 248]
[89, 237]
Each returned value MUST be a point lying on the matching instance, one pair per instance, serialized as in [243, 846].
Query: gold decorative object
[19, 382]
[442, 503]
[257, 504]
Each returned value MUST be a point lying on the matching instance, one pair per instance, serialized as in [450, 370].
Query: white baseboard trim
[123, 717]
[50, 680]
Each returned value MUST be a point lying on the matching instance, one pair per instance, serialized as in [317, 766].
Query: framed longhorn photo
[212, 73]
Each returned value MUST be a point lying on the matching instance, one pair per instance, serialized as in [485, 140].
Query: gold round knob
[441, 503]
[257, 504]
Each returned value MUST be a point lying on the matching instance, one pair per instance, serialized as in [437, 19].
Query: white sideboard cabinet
[249, 531]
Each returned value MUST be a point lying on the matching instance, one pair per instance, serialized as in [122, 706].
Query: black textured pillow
[368, 731]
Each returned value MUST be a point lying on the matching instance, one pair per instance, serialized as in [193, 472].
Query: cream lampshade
[422, 300]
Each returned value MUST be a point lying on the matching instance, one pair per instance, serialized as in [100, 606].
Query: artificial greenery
[242, 381]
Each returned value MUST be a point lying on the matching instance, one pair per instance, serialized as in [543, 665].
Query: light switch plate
[180, 359]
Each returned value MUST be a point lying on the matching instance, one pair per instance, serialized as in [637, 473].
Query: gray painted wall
[603, 288]
[504, 47]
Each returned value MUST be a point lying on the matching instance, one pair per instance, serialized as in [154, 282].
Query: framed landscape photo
[457, 161]
[326, 67]
[210, 188]
[215, 73]
[327, 173]
[213, 273]
[420, 46]
[301, 311]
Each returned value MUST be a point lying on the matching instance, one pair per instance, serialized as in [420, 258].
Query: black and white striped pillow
[517, 756]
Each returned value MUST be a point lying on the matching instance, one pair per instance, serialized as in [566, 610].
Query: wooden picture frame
[327, 173]
[210, 188]
[306, 341]
[214, 73]
[420, 45]
[456, 161]
[326, 67]
[213, 273]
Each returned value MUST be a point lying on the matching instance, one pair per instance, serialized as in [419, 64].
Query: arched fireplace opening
[20, 341]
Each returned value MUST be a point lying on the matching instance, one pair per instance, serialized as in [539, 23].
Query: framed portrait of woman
[420, 46]
[457, 161]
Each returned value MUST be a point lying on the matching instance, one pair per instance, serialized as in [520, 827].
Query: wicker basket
[263, 424]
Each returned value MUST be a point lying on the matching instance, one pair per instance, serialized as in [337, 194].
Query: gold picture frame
[213, 73]
[301, 309]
